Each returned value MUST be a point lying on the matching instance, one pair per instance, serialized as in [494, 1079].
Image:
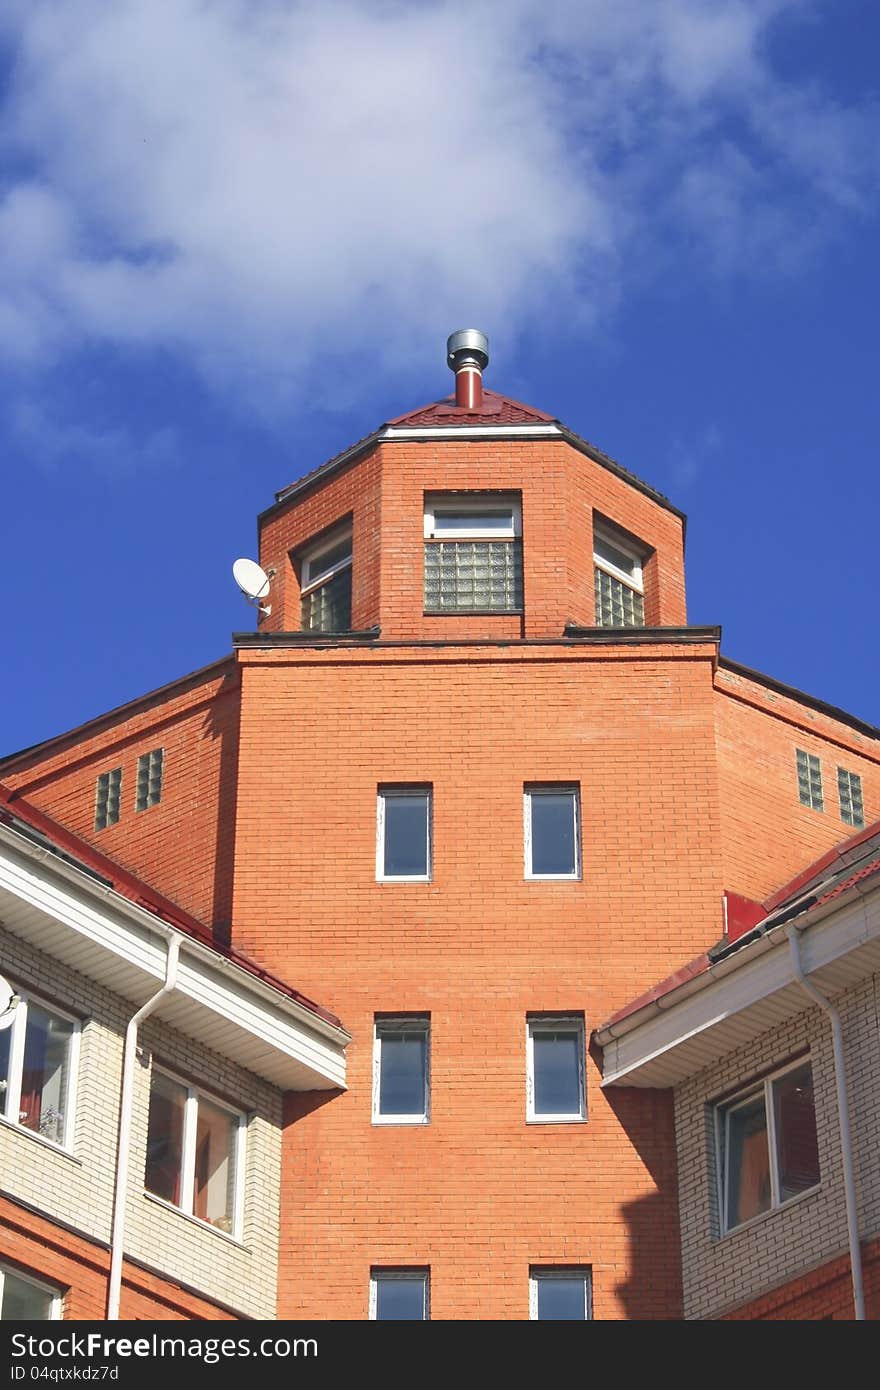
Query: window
[403, 846]
[400, 1295]
[149, 779]
[555, 1083]
[620, 593]
[325, 583]
[108, 791]
[849, 792]
[401, 1077]
[809, 774]
[552, 832]
[473, 554]
[560, 1293]
[26, 1300]
[767, 1145]
[37, 1069]
[195, 1153]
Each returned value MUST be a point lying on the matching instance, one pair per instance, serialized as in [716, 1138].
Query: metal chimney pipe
[467, 353]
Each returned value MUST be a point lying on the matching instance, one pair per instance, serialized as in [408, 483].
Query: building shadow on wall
[222, 725]
[653, 1287]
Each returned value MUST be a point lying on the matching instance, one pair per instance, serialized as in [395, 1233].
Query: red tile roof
[68, 846]
[495, 410]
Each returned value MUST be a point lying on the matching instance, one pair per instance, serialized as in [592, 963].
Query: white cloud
[258, 184]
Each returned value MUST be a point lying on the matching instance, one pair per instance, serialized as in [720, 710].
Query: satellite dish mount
[253, 583]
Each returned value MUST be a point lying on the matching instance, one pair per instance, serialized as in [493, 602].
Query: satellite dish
[252, 580]
[8, 1002]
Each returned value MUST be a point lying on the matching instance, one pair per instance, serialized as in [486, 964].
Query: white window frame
[545, 1022]
[57, 1297]
[379, 1274]
[10, 1104]
[312, 553]
[556, 789]
[748, 1093]
[412, 1023]
[539, 1272]
[851, 777]
[188, 1144]
[812, 804]
[635, 580]
[475, 503]
[403, 789]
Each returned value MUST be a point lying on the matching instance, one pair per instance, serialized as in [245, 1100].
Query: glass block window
[620, 600]
[560, 1293]
[849, 792]
[400, 1070]
[24, 1300]
[108, 792]
[473, 554]
[809, 775]
[326, 584]
[767, 1145]
[37, 1070]
[400, 1295]
[194, 1153]
[149, 779]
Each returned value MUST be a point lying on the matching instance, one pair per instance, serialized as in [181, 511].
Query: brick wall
[183, 845]
[77, 1187]
[725, 1271]
[820, 1294]
[560, 490]
[79, 1269]
[767, 835]
[478, 1194]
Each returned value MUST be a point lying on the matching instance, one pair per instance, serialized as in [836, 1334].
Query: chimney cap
[469, 342]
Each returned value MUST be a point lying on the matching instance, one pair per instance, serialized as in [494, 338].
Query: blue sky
[234, 237]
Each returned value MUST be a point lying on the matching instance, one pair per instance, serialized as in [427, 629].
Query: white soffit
[80, 922]
[743, 996]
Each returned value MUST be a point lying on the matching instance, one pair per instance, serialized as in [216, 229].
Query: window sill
[553, 878]
[31, 1134]
[415, 878]
[196, 1221]
[383, 1121]
[768, 1215]
[556, 1119]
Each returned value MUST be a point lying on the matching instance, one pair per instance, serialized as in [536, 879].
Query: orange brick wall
[79, 1269]
[478, 1194]
[560, 490]
[767, 835]
[824, 1293]
[183, 845]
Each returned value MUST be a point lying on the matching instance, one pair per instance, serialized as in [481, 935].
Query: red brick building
[474, 783]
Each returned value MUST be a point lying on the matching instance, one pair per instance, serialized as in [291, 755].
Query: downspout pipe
[123, 1148]
[840, 1079]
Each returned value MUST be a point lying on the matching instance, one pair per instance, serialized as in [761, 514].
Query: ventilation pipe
[467, 353]
[849, 1176]
[123, 1149]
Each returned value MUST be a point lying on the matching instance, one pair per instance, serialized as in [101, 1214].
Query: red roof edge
[790, 889]
[698, 966]
[14, 807]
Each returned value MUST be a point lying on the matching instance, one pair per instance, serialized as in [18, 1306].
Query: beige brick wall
[722, 1271]
[77, 1187]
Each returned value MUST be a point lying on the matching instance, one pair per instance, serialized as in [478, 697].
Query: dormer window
[325, 579]
[620, 593]
[473, 553]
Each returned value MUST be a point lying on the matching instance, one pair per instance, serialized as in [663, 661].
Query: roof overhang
[743, 994]
[78, 920]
